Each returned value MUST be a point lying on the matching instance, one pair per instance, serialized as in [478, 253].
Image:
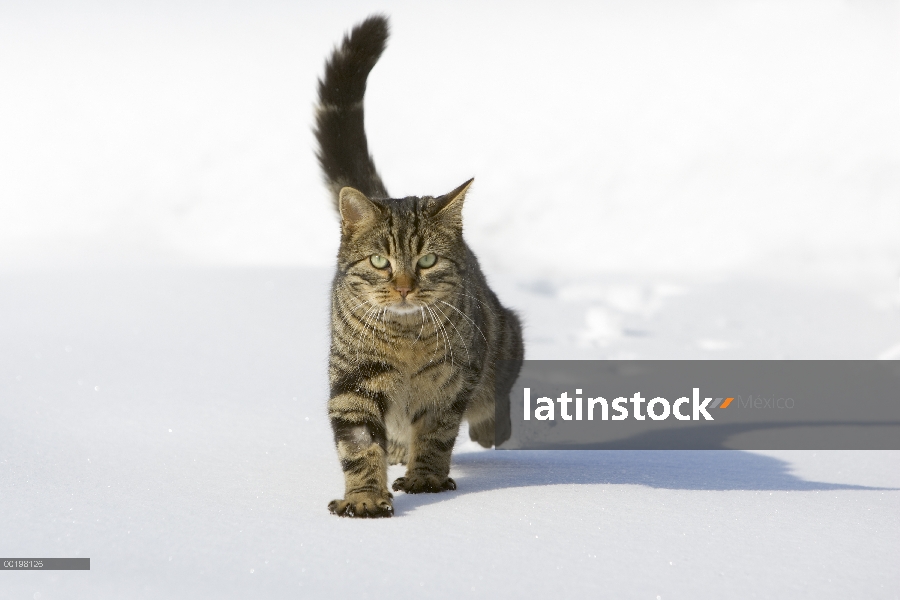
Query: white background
[603, 136]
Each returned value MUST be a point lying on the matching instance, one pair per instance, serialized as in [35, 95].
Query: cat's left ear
[449, 206]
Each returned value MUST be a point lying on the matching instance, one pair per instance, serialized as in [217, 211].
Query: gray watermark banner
[46, 564]
[702, 405]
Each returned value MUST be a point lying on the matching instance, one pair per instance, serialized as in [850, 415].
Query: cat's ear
[356, 209]
[449, 206]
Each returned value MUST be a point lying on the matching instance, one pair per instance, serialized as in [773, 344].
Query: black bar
[703, 405]
[45, 564]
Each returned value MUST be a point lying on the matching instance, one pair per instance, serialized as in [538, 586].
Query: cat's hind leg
[397, 452]
[480, 414]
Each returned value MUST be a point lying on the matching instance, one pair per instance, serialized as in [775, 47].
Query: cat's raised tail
[343, 150]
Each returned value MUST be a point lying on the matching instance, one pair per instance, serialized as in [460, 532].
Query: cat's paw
[363, 505]
[483, 433]
[417, 484]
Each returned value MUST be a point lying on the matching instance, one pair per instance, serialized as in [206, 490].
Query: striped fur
[414, 349]
[343, 149]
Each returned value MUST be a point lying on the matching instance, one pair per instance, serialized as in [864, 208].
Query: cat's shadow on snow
[676, 470]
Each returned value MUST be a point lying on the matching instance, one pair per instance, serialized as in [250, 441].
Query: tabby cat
[417, 336]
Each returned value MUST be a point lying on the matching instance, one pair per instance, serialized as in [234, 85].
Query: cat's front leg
[361, 444]
[429, 455]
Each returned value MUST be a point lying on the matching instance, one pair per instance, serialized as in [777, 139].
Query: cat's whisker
[422, 311]
[363, 302]
[379, 319]
[461, 338]
[476, 300]
[467, 317]
[354, 297]
[356, 343]
[438, 331]
[366, 320]
[433, 354]
[447, 343]
[376, 316]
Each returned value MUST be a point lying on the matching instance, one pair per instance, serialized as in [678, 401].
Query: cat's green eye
[427, 261]
[378, 261]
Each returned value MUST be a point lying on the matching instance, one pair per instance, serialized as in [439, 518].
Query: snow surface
[171, 426]
[653, 180]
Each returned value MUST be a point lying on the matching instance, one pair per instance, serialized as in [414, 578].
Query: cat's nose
[403, 283]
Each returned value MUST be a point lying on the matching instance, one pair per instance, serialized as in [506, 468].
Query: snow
[653, 181]
[170, 425]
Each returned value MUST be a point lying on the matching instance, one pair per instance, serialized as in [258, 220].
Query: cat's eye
[427, 261]
[378, 261]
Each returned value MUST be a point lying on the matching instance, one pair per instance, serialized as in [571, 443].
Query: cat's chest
[421, 376]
